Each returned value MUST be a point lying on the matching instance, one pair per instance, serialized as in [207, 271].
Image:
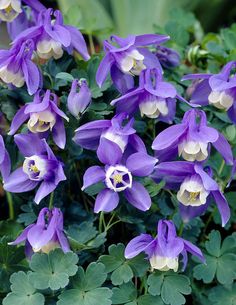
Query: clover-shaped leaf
[123, 270]
[170, 286]
[221, 295]
[53, 270]
[220, 260]
[23, 292]
[87, 288]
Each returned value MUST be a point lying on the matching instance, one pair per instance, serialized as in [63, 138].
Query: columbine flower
[89, 135]
[127, 57]
[46, 235]
[43, 115]
[40, 168]
[5, 163]
[194, 185]
[78, 101]
[51, 36]
[218, 90]
[168, 57]
[119, 177]
[164, 250]
[16, 67]
[191, 139]
[154, 97]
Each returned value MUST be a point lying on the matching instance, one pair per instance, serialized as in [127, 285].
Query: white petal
[127, 64]
[136, 55]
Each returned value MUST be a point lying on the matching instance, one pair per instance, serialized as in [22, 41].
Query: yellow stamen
[34, 168]
[193, 196]
[118, 178]
[9, 9]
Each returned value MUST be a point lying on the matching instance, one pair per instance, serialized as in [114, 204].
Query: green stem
[221, 167]
[181, 228]
[10, 205]
[91, 44]
[50, 206]
[101, 222]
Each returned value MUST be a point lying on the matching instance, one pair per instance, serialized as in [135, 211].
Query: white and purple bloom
[5, 162]
[10, 9]
[17, 68]
[119, 130]
[46, 235]
[118, 176]
[218, 90]
[191, 139]
[154, 97]
[164, 250]
[43, 115]
[77, 102]
[127, 57]
[52, 36]
[40, 168]
[194, 185]
[169, 58]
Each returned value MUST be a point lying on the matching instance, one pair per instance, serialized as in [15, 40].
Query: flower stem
[101, 222]
[50, 206]
[10, 205]
[181, 228]
[221, 167]
[91, 44]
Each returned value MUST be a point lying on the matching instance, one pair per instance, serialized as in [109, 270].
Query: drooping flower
[154, 97]
[17, 68]
[118, 130]
[194, 185]
[118, 176]
[218, 90]
[10, 9]
[52, 36]
[191, 139]
[169, 58]
[164, 250]
[126, 57]
[46, 235]
[5, 162]
[40, 168]
[78, 101]
[43, 115]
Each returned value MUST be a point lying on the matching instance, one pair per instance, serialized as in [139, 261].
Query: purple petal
[224, 148]
[44, 189]
[137, 245]
[93, 175]
[35, 5]
[141, 164]
[123, 82]
[38, 236]
[24, 143]
[108, 152]
[19, 118]
[31, 75]
[138, 196]
[201, 93]
[107, 200]
[196, 76]
[223, 206]
[63, 241]
[208, 182]
[194, 250]
[149, 39]
[22, 237]
[59, 33]
[59, 134]
[103, 69]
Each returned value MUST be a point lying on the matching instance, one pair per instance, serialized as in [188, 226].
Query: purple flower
[17, 68]
[51, 36]
[10, 9]
[168, 57]
[5, 162]
[126, 57]
[78, 101]
[191, 139]
[118, 176]
[218, 90]
[43, 115]
[164, 250]
[46, 235]
[40, 168]
[154, 97]
[194, 186]
[117, 130]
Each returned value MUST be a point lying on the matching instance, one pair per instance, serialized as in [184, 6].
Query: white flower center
[192, 192]
[164, 263]
[9, 9]
[220, 99]
[35, 167]
[193, 151]
[8, 77]
[118, 178]
[41, 121]
[121, 141]
[153, 109]
[47, 248]
[132, 63]
[49, 48]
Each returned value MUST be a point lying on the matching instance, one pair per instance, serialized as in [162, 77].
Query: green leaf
[220, 295]
[65, 76]
[53, 270]
[87, 288]
[171, 287]
[220, 260]
[121, 275]
[124, 294]
[23, 293]
[150, 300]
